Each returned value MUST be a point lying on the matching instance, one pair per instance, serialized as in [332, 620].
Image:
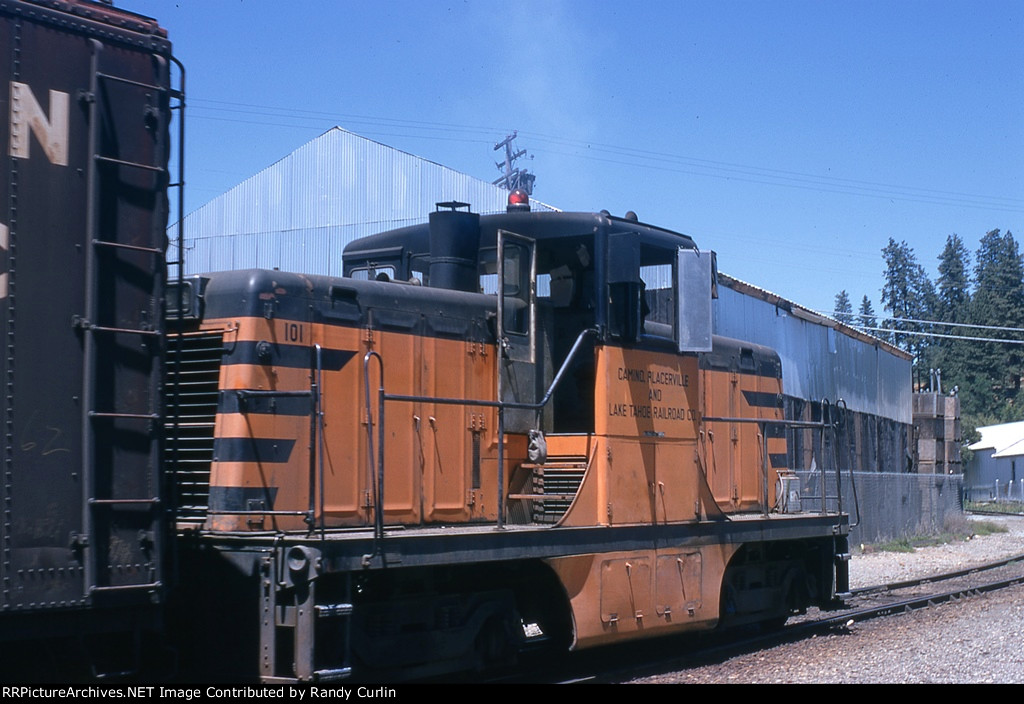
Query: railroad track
[982, 512]
[932, 579]
[964, 583]
[622, 663]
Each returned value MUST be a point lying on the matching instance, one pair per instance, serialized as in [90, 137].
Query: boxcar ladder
[122, 261]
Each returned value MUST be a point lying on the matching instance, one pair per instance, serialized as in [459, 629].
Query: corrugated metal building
[818, 352]
[299, 213]
[823, 359]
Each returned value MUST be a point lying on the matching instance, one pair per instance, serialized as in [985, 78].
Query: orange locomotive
[495, 433]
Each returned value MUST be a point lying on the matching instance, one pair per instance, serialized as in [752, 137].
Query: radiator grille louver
[190, 421]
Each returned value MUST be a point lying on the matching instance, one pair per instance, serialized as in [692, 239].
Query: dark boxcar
[85, 94]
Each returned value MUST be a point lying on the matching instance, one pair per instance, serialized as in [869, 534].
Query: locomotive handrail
[763, 424]
[130, 82]
[516, 405]
[768, 421]
[256, 512]
[316, 466]
[267, 393]
[836, 414]
[842, 407]
[826, 412]
[315, 437]
[378, 485]
[821, 425]
[407, 398]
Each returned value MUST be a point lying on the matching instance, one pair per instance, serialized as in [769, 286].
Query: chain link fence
[998, 492]
[890, 505]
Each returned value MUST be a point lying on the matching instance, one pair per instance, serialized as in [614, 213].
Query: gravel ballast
[976, 640]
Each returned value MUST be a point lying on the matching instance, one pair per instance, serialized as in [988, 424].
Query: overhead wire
[835, 314]
[624, 156]
[601, 152]
[921, 333]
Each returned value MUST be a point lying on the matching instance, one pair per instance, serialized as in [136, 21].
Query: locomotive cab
[559, 274]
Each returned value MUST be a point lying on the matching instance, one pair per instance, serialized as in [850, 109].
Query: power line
[836, 314]
[925, 195]
[629, 156]
[919, 333]
[822, 186]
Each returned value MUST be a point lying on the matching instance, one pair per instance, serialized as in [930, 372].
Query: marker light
[518, 200]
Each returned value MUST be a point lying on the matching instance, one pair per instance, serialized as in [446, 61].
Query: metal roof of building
[1005, 438]
[299, 213]
[809, 315]
[821, 357]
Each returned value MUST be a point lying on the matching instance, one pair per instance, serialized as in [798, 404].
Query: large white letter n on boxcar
[27, 116]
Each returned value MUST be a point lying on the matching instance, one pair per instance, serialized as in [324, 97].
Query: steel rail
[878, 588]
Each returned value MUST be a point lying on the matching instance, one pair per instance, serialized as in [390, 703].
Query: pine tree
[908, 295]
[954, 293]
[994, 369]
[953, 300]
[867, 317]
[843, 309]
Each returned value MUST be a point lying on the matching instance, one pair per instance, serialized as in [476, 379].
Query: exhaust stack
[454, 247]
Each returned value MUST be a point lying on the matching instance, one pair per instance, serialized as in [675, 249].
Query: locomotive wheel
[495, 644]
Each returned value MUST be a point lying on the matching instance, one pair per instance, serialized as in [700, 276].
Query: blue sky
[792, 137]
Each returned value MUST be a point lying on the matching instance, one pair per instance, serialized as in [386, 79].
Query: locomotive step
[542, 497]
[556, 466]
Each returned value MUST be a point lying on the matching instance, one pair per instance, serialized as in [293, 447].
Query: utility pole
[513, 178]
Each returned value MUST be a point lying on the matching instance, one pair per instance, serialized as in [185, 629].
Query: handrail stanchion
[320, 431]
[845, 417]
[501, 467]
[378, 483]
[763, 430]
[821, 470]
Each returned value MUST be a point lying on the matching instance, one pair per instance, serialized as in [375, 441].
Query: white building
[998, 460]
